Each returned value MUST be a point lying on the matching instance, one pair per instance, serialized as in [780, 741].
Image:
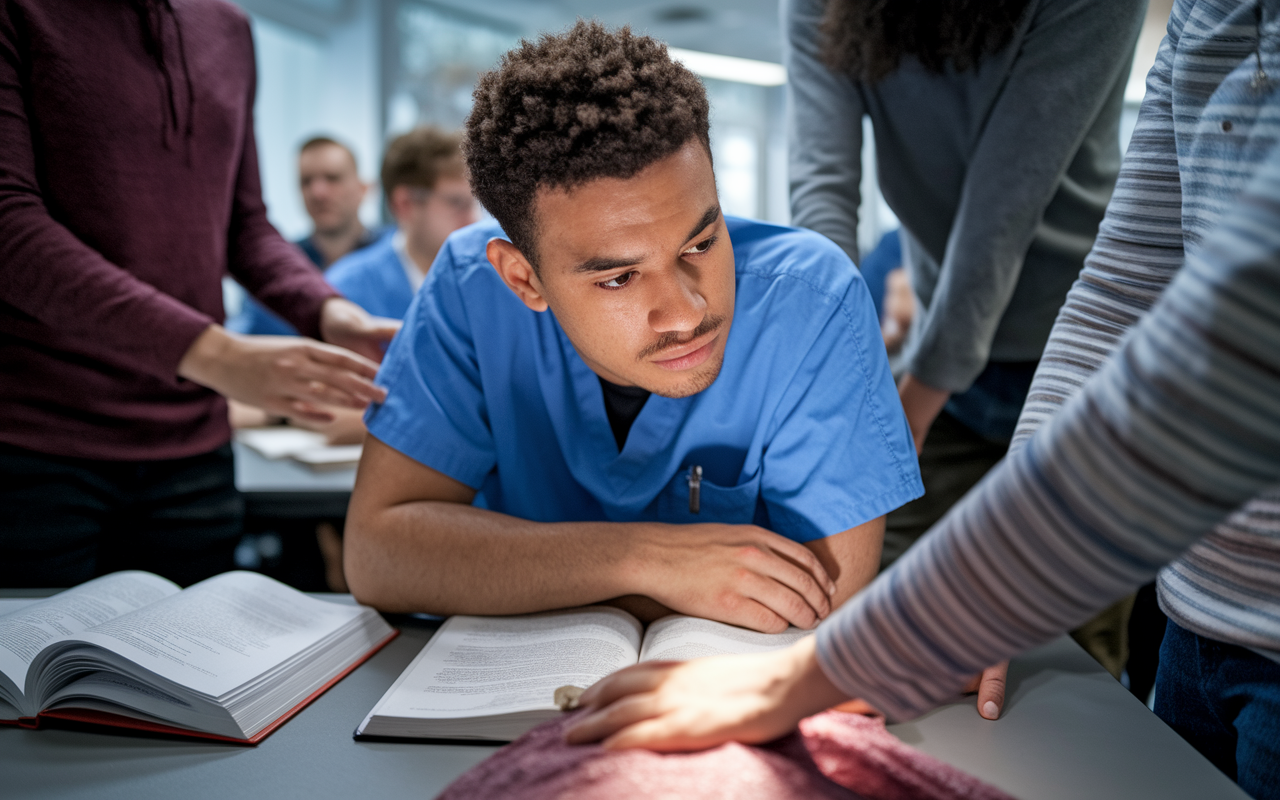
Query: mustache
[669, 341]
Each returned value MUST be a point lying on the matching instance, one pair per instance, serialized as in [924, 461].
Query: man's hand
[990, 686]
[666, 706]
[345, 324]
[740, 574]
[285, 376]
[922, 404]
[346, 427]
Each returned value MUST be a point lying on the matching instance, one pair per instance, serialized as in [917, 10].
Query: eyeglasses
[457, 203]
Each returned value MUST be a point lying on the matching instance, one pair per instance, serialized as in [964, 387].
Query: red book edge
[120, 721]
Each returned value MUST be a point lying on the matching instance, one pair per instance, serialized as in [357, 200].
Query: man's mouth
[690, 354]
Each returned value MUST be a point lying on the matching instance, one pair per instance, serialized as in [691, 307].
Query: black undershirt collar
[622, 404]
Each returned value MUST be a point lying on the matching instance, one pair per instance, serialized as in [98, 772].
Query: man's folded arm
[414, 543]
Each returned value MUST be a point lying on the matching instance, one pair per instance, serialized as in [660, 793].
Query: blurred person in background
[425, 181]
[128, 186]
[332, 193]
[996, 131]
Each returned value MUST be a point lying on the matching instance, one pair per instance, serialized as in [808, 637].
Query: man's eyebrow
[602, 264]
[708, 217]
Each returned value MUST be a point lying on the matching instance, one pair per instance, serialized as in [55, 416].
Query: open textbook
[494, 678]
[231, 657]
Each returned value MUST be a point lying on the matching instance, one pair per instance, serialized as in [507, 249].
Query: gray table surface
[1069, 731]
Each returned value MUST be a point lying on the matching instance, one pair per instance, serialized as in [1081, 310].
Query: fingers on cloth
[613, 717]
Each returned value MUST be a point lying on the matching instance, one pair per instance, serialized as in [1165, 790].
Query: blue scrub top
[374, 279]
[801, 433]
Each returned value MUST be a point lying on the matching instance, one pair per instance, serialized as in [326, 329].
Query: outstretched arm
[1178, 430]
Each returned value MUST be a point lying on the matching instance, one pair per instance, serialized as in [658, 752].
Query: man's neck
[333, 245]
[422, 256]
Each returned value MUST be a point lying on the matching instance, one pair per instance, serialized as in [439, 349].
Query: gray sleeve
[824, 133]
[1170, 436]
[1136, 254]
[1073, 54]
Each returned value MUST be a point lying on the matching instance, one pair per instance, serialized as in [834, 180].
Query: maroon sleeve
[49, 275]
[270, 268]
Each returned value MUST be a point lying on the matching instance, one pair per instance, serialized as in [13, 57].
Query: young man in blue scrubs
[620, 395]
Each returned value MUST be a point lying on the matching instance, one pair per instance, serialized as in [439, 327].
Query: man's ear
[401, 204]
[516, 272]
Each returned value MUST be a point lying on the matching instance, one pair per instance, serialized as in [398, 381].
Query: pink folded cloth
[833, 755]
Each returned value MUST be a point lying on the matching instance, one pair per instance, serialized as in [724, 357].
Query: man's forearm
[451, 558]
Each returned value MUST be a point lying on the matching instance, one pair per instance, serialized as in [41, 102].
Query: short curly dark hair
[572, 107]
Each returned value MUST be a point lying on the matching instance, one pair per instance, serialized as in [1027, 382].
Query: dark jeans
[66, 520]
[1224, 700]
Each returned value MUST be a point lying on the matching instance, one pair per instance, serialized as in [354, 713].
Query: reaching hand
[286, 376]
[345, 324]
[990, 688]
[666, 706]
[740, 574]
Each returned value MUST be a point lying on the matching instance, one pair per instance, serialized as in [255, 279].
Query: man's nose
[677, 305]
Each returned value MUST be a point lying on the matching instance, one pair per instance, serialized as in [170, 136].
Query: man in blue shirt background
[619, 395]
[426, 187]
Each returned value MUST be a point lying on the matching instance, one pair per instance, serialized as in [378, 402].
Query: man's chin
[696, 381]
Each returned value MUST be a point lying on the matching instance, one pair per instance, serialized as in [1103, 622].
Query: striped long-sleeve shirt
[1152, 432]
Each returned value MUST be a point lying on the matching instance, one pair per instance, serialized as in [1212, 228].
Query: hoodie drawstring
[151, 16]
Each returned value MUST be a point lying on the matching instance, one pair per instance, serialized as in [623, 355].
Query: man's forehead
[664, 205]
[327, 156]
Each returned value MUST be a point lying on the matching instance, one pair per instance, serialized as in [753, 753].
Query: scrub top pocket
[733, 505]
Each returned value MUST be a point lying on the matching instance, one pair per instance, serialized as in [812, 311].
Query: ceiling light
[730, 68]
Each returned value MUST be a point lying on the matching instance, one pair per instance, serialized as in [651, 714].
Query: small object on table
[566, 697]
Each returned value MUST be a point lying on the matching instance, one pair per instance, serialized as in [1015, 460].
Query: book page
[678, 638]
[476, 666]
[222, 632]
[26, 631]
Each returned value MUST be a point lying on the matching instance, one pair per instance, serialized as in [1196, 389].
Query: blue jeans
[1225, 701]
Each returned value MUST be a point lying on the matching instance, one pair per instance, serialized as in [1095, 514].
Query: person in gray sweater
[997, 144]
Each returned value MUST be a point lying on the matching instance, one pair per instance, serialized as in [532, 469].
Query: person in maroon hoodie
[128, 186]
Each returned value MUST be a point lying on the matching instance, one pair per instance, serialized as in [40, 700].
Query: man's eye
[618, 282]
[701, 247]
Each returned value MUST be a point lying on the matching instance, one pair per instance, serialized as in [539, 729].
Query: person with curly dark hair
[616, 394]
[996, 132]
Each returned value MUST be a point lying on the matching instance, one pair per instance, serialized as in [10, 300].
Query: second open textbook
[494, 678]
[231, 657]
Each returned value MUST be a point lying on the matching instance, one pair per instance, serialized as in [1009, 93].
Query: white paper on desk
[26, 631]
[330, 457]
[223, 632]
[280, 442]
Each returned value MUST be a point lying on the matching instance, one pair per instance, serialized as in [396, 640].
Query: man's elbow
[360, 563]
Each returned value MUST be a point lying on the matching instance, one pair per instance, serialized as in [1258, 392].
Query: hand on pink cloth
[832, 755]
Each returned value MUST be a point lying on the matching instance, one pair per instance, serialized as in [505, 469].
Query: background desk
[1069, 731]
[285, 489]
